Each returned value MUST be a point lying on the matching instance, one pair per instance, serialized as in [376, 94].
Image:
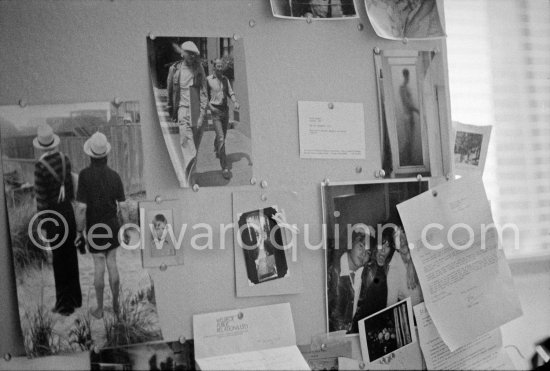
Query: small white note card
[332, 130]
[258, 338]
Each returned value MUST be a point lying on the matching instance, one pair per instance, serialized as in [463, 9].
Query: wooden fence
[126, 156]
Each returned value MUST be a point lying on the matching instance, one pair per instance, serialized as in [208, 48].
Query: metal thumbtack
[251, 23]
[182, 339]
[358, 169]
[331, 105]
[236, 36]
[382, 173]
[240, 315]
[22, 103]
[264, 197]
[252, 181]
[7, 357]
[376, 50]
[195, 187]
[151, 36]
[362, 365]
[158, 199]
[323, 347]
[434, 193]
[360, 27]
[263, 183]
[117, 101]
[163, 268]
[309, 18]
[336, 213]
[326, 181]
[96, 349]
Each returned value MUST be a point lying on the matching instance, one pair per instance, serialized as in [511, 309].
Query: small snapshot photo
[368, 260]
[387, 331]
[149, 356]
[159, 235]
[201, 96]
[263, 244]
[399, 19]
[471, 145]
[73, 177]
[314, 9]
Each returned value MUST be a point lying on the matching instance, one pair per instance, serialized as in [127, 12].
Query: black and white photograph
[407, 111]
[200, 90]
[160, 234]
[471, 145]
[314, 9]
[263, 245]
[405, 19]
[368, 261]
[387, 331]
[153, 356]
[73, 177]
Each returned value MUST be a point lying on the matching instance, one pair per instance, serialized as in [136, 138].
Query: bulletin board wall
[88, 51]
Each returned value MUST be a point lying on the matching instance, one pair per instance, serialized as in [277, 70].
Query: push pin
[358, 169]
[158, 200]
[251, 23]
[163, 268]
[419, 177]
[331, 105]
[326, 181]
[434, 193]
[240, 315]
[151, 36]
[309, 18]
[252, 181]
[323, 347]
[117, 101]
[96, 349]
[264, 197]
[182, 339]
[362, 365]
[336, 214]
[360, 27]
[263, 184]
[405, 40]
[376, 50]
[7, 357]
[196, 187]
[22, 103]
[236, 36]
[382, 173]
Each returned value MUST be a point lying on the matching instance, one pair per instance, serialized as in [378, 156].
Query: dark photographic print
[313, 9]
[387, 331]
[471, 145]
[201, 96]
[263, 246]
[172, 355]
[73, 174]
[399, 19]
[368, 261]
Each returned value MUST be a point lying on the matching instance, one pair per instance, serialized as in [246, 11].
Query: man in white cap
[187, 101]
[100, 194]
[54, 192]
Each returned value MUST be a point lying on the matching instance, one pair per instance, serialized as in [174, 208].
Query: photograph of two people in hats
[73, 174]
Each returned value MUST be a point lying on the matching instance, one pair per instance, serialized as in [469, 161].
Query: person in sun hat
[54, 192]
[99, 197]
[187, 101]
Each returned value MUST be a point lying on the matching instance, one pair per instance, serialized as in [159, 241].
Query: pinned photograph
[471, 144]
[387, 331]
[159, 235]
[314, 9]
[200, 90]
[172, 355]
[265, 242]
[409, 115]
[263, 245]
[405, 19]
[368, 261]
[73, 176]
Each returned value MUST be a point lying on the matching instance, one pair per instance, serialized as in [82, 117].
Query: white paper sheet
[285, 358]
[468, 291]
[331, 130]
[252, 338]
[484, 353]
[76, 361]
